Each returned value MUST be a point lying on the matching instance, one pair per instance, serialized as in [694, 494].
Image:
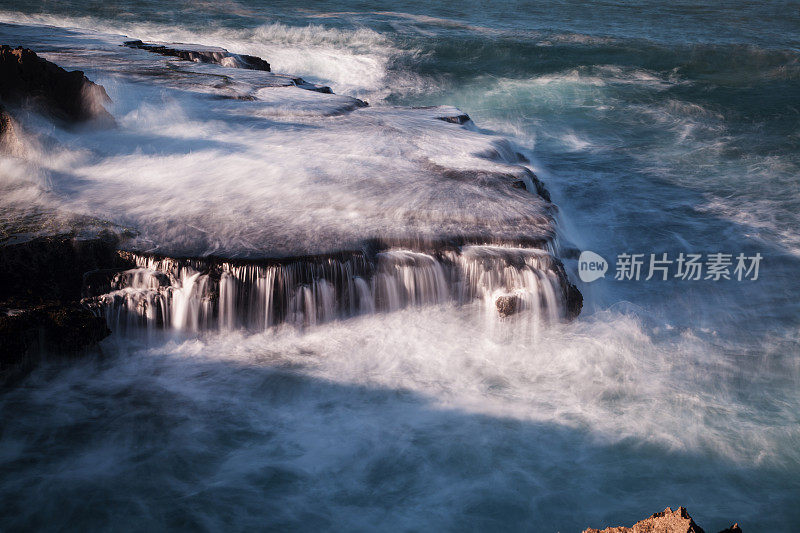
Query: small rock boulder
[507, 305]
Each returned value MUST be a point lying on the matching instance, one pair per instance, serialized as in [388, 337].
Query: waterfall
[198, 295]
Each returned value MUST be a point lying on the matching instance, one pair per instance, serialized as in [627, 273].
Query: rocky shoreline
[59, 290]
[52, 301]
[40, 308]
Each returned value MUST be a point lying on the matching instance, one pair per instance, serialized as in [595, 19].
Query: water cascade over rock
[196, 294]
[253, 198]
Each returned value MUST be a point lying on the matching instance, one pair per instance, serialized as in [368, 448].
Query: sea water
[659, 127]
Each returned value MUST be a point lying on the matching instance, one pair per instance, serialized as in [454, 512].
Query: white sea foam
[769, 220]
[352, 62]
[423, 411]
[286, 173]
[595, 75]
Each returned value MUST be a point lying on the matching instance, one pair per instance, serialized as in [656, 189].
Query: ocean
[658, 128]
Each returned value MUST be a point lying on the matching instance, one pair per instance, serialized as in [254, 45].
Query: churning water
[406, 404]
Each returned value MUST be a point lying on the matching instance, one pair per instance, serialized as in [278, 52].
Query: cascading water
[442, 404]
[195, 295]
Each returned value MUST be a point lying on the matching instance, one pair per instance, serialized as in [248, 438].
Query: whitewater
[408, 403]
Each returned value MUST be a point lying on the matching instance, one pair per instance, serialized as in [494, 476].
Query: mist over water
[661, 127]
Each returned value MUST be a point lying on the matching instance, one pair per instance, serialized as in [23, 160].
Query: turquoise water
[658, 127]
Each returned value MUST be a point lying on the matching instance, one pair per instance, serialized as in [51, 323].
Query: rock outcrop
[40, 309]
[219, 56]
[8, 138]
[433, 233]
[203, 54]
[26, 78]
[667, 521]
[52, 328]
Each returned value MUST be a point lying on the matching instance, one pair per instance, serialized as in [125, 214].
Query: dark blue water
[659, 127]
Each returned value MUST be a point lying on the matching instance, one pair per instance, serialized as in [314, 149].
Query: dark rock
[52, 268]
[203, 54]
[5, 121]
[100, 281]
[39, 297]
[456, 119]
[541, 190]
[507, 305]
[447, 114]
[574, 301]
[26, 78]
[667, 521]
[324, 89]
[51, 328]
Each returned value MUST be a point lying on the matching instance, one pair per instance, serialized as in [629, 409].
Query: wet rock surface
[52, 328]
[507, 305]
[667, 521]
[454, 118]
[52, 268]
[5, 121]
[9, 143]
[438, 223]
[203, 54]
[26, 78]
[208, 293]
[40, 309]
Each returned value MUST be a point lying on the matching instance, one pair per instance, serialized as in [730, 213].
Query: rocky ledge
[420, 228]
[215, 55]
[667, 521]
[202, 54]
[40, 309]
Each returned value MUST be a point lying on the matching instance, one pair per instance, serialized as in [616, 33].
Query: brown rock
[5, 121]
[667, 521]
[26, 78]
[507, 305]
[11, 143]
